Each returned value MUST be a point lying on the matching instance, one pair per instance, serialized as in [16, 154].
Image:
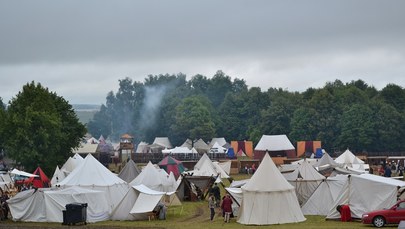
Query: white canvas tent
[322, 200]
[305, 179]
[274, 143]
[91, 174]
[268, 198]
[56, 200]
[205, 167]
[46, 205]
[366, 192]
[138, 201]
[220, 141]
[163, 141]
[155, 179]
[216, 148]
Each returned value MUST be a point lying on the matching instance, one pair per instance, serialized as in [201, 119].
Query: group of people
[391, 169]
[250, 170]
[214, 201]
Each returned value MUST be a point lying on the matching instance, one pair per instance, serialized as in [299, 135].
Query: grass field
[192, 215]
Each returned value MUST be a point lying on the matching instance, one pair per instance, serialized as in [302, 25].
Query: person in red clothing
[227, 207]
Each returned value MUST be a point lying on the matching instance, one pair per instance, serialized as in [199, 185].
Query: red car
[379, 218]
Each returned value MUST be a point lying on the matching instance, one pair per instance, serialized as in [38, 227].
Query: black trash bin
[75, 213]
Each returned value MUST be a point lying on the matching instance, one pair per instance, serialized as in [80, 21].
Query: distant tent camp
[275, 145]
[129, 172]
[170, 164]
[199, 145]
[41, 181]
[268, 198]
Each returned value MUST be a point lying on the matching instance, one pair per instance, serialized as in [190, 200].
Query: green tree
[357, 128]
[41, 128]
[193, 119]
[389, 128]
[303, 125]
[394, 95]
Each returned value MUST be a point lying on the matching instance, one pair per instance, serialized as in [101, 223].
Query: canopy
[22, 173]
[170, 164]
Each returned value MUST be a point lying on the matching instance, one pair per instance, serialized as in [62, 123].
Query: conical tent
[268, 198]
[170, 164]
[129, 172]
[41, 181]
[91, 174]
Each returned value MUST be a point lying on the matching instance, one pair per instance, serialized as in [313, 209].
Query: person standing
[217, 194]
[227, 207]
[211, 205]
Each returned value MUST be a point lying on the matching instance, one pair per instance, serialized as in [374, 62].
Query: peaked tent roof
[199, 144]
[41, 181]
[326, 159]
[348, 157]
[274, 143]
[86, 148]
[91, 172]
[141, 147]
[216, 148]
[170, 164]
[58, 176]
[304, 171]
[267, 178]
[153, 179]
[220, 141]
[129, 172]
[163, 141]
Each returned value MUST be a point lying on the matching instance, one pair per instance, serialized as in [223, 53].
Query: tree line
[350, 115]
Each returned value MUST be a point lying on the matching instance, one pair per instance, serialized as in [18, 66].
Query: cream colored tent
[305, 179]
[268, 198]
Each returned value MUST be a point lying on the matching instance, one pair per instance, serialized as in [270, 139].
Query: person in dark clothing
[217, 194]
[387, 171]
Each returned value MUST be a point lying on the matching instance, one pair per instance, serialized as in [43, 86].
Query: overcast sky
[80, 49]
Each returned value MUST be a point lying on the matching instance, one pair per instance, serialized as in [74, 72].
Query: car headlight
[365, 216]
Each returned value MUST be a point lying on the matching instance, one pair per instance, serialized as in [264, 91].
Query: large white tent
[349, 160]
[46, 205]
[268, 198]
[91, 174]
[205, 167]
[305, 179]
[366, 192]
[322, 200]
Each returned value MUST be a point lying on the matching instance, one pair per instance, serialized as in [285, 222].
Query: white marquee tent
[268, 198]
[366, 192]
[91, 174]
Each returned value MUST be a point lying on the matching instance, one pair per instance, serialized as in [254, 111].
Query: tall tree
[357, 128]
[193, 119]
[41, 128]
